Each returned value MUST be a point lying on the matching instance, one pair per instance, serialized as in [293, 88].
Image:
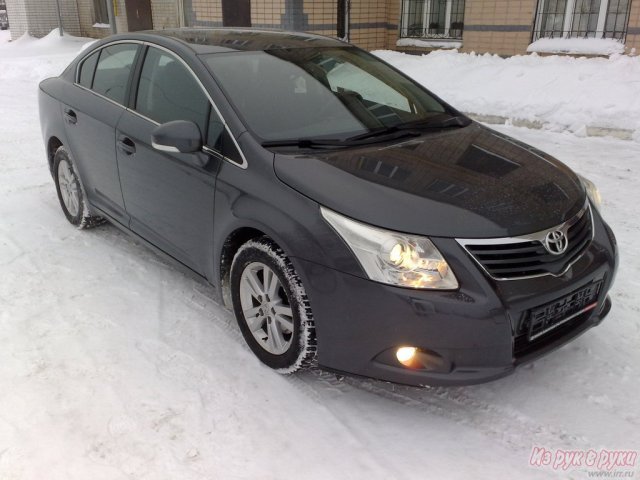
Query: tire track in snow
[452, 403]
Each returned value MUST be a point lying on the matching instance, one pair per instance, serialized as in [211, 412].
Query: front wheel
[271, 306]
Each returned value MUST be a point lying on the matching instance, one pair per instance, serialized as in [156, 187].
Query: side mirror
[178, 136]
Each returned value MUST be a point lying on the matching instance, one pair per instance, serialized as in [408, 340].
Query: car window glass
[280, 99]
[318, 92]
[87, 69]
[349, 77]
[168, 91]
[112, 72]
[229, 149]
[215, 130]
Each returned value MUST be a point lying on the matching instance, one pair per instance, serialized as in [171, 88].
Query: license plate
[550, 316]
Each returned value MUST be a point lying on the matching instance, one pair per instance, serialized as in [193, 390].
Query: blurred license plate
[553, 314]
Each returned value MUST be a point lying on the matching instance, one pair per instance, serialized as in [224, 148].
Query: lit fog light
[406, 355]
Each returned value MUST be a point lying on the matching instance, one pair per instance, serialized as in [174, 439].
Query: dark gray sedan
[348, 216]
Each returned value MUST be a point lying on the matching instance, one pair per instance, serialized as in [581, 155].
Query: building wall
[165, 14]
[368, 23]
[267, 14]
[498, 26]
[17, 13]
[506, 27]
[321, 17]
[369, 26]
[39, 17]
[633, 33]
[203, 13]
[393, 23]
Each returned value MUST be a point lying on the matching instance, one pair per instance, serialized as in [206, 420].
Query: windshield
[318, 92]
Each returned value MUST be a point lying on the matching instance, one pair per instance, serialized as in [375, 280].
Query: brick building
[496, 26]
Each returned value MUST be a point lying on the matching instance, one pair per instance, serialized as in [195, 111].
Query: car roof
[217, 40]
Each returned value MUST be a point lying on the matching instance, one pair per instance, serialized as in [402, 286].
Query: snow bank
[583, 46]
[38, 58]
[559, 92]
[5, 36]
[417, 42]
[49, 46]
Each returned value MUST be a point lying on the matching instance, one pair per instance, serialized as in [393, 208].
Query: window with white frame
[582, 19]
[437, 19]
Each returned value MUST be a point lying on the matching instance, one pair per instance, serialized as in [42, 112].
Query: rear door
[93, 105]
[169, 196]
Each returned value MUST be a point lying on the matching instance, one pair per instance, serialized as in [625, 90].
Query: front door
[169, 196]
[138, 15]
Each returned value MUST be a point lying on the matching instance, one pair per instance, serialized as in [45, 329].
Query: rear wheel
[271, 306]
[71, 191]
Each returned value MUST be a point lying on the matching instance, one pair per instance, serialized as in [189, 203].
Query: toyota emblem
[556, 242]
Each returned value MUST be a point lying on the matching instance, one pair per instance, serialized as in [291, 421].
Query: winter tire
[271, 306]
[71, 191]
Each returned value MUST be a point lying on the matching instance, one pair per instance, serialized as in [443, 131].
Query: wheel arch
[232, 243]
[52, 146]
[237, 237]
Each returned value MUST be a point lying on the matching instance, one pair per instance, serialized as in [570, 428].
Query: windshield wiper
[390, 133]
[452, 121]
[304, 143]
[410, 128]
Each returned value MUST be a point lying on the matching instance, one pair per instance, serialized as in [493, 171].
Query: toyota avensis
[346, 214]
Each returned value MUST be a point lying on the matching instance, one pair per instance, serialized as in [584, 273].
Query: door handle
[126, 145]
[70, 116]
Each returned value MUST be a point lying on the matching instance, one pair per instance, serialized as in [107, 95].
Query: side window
[168, 91]
[112, 72]
[229, 148]
[215, 131]
[87, 70]
[220, 139]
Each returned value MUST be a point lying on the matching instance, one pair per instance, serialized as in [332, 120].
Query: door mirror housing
[178, 136]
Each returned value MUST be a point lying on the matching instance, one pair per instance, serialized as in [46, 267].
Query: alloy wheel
[266, 308]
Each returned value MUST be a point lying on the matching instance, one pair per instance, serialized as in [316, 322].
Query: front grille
[527, 256]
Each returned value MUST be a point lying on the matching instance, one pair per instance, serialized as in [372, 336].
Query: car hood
[468, 182]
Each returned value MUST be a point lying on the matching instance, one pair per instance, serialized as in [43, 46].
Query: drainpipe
[59, 18]
[181, 14]
[112, 16]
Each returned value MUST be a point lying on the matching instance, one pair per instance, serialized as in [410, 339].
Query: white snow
[417, 42]
[563, 93]
[113, 365]
[581, 46]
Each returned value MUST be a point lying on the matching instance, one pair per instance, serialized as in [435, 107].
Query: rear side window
[87, 70]
[168, 91]
[113, 69]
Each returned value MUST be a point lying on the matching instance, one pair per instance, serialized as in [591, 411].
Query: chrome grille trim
[531, 249]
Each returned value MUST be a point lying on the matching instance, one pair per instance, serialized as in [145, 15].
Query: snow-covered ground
[562, 93]
[113, 365]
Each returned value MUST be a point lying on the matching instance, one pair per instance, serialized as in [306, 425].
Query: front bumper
[470, 333]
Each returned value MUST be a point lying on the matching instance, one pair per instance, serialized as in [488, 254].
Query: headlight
[394, 258]
[592, 192]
